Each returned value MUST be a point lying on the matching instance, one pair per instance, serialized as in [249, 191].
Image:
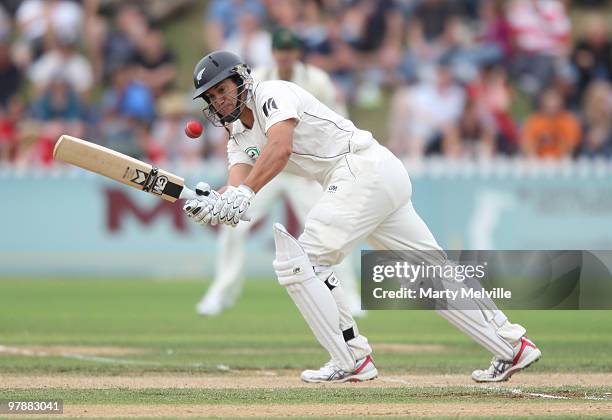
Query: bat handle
[188, 193]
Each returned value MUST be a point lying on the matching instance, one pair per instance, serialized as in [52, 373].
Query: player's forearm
[272, 161]
[238, 173]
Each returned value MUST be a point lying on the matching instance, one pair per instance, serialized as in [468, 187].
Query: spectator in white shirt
[64, 59]
[251, 41]
[421, 115]
[41, 21]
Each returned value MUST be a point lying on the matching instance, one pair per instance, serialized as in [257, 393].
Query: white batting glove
[199, 210]
[233, 203]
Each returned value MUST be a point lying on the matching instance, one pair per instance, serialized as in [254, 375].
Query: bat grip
[188, 193]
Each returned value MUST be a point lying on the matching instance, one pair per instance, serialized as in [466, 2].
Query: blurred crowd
[100, 70]
[459, 78]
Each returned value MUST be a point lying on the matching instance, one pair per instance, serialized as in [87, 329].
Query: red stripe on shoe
[524, 344]
[363, 365]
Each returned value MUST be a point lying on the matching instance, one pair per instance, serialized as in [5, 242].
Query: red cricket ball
[194, 129]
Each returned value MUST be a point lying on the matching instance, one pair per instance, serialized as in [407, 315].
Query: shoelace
[498, 366]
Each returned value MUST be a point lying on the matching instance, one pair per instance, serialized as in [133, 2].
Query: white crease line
[396, 380]
[76, 356]
[99, 359]
[606, 397]
[110, 360]
[518, 391]
[537, 394]
[267, 373]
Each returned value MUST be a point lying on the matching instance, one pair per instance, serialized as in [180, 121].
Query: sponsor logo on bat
[140, 177]
[160, 184]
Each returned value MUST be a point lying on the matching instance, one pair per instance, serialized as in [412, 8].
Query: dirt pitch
[515, 402]
[268, 379]
[341, 410]
[520, 396]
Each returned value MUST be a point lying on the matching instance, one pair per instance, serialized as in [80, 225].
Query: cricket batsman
[301, 193]
[367, 196]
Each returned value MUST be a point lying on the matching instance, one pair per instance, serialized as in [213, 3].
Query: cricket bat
[127, 170]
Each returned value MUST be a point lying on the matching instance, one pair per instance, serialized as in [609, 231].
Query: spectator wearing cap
[287, 51]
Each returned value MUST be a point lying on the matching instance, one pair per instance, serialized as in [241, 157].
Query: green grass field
[138, 343]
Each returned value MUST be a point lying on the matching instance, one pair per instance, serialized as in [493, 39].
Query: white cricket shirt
[320, 139]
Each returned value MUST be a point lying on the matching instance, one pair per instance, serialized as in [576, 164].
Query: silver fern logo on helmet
[200, 74]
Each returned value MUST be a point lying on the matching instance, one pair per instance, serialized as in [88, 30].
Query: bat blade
[119, 167]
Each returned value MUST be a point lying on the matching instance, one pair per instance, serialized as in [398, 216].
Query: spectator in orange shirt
[552, 132]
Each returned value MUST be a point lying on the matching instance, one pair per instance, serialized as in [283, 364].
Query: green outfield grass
[134, 348]
[264, 330]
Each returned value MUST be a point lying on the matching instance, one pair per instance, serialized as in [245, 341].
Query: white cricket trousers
[366, 197]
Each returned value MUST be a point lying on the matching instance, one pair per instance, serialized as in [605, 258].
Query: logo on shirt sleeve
[268, 106]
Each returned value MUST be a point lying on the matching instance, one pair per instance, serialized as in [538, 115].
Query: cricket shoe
[525, 353]
[330, 372]
[212, 305]
[209, 307]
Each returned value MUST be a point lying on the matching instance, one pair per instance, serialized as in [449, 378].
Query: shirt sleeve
[278, 102]
[236, 155]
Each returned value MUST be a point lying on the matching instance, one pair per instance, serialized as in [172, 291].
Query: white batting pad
[313, 299]
[482, 321]
[359, 344]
